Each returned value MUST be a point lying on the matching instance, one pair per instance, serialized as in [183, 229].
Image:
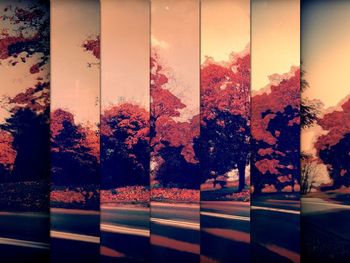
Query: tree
[224, 146]
[7, 155]
[28, 36]
[309, 173]
[338, 160]
[275, 145]
[225, 109]
[72, 162]
[175, 171]
[169, 137]
[333, 146]
[309, 109]
[125, 151]
[31, 142]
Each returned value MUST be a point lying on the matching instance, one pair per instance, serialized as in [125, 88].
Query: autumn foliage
[25, 132]
[125, 151]
[93, 45]
[275, 129]
[74, 151]
[171, 140]
[223, 144]
[333, 147]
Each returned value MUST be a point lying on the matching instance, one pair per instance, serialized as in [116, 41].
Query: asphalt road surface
[175, 232]
[225, 231]
[325, 230]
[75, 235]
[24, 237]
[275, 228]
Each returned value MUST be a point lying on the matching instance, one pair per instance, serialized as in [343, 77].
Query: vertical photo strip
[74, 124]
[24, 130]
[174, 130]
[275, 129]
[125, 131]
[325, 135]
[224, 144]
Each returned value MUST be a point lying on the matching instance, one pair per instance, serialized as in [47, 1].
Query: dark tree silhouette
[125, 151]
[223, 146]
[309, 110]
[338, 160]
[281, 163]
[72, 163]
[30, 133]
[175, 171]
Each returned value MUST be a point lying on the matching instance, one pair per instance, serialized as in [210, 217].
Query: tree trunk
[241, 172]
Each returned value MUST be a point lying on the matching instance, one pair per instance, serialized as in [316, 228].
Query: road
[74, 235]
[325, 230]
[24, 236]
[125, 233]
[275, 228]
[175, 232]
[225, 231]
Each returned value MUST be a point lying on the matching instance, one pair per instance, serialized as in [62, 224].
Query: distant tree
[309, 173]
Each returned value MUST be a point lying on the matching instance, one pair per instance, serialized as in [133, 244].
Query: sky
[125, 52]
[75, 86]
[175, 32]
[326, 59]
[325, 50]
[225, 28]
[275, 39]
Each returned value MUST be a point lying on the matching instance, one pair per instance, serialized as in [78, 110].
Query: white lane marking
[23, 243]
[295, 212]
[54, 210]
[176, 223]
[75, 237]
[170, 205]
[225, 216]
[106, 207]
[325, 203]
[125, 230]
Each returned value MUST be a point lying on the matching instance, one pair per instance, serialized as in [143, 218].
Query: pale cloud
[159, 43]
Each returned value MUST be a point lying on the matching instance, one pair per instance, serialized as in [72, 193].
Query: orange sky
[326, 59]
[275, 38]
[75, 86]
[125, 52]
[225, 27]
[326, 52]
[175, 34]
